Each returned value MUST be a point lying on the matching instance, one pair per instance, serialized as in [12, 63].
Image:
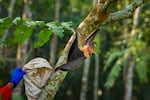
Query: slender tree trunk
[136, 20]
[95, 91]
[10, 14]
[128, 78]
[53, 42]
[96, 76]
[22, 50]
[84, 87]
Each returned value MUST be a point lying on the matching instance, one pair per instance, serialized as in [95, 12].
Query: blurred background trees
[121, 57]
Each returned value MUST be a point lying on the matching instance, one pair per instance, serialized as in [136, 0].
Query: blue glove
[17, 75]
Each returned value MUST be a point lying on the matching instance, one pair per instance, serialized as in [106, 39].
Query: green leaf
[114, 74]
[2, 42]
[111, 58]
[40, 23]
[68, 26]
[5, 24]
[141, 68]
[17, 20]
[43, 37]
[30, 23]
[22, 33]
[56, 28]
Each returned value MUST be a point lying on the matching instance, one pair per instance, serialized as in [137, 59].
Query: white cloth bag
[37, 71]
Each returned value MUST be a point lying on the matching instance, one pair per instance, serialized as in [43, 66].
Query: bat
[76, 57]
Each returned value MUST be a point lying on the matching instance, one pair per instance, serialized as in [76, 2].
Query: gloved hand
[17, 75]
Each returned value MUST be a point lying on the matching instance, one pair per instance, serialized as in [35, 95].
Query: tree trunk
[128, 78]
[95, 91]
[22, 50]
[53, 42]
[84, 87]
[96, 78]
[10, 14]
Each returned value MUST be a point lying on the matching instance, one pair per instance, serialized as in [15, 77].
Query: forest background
[119, 68]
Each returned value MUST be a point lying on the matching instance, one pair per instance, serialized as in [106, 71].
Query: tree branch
[57, 77]
[127, 12]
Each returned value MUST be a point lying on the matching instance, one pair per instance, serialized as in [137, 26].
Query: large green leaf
[5, 24]
[56, 28]
[22, 33]
[43, 37]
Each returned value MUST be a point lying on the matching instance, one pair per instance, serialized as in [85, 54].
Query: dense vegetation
[120, 46]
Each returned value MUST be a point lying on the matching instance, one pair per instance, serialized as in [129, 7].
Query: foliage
[25, 28]
[141, 68]
[97, 43]
[117, 57]
[112, 56]
[138, 47]
[5, 23]
[43, 37]
[2, 42]
[111, 45]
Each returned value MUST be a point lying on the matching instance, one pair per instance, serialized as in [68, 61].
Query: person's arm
[11, 85]
[6, 91]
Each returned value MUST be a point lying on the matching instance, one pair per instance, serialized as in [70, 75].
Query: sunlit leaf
[5, 24]
[16, 20]
[68, 26]
[40, 23]
[22, 33]
[56, 28]
[43, 37]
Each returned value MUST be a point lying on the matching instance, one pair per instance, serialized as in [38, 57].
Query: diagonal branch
[127, 12]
